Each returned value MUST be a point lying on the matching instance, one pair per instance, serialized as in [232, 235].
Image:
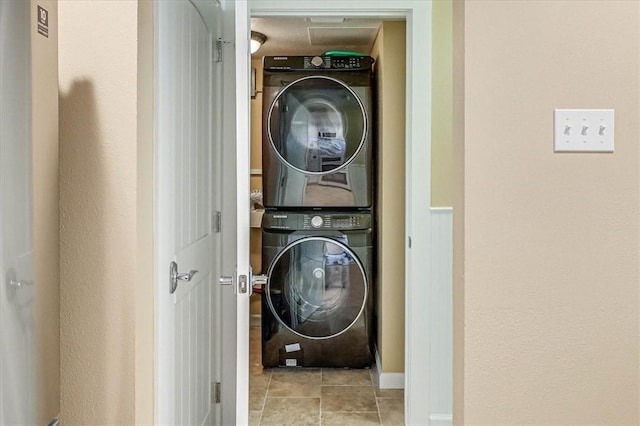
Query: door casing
[418, 171]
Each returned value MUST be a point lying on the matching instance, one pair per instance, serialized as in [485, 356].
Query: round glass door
[317, 125]
[317, 287]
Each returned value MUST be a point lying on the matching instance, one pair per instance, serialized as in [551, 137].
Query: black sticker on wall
[43, 21]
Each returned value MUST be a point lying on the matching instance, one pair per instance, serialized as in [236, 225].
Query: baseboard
[255, 320]
[388, 380]
[441, 420]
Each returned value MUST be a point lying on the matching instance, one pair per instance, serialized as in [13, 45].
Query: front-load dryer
[317, 124]
[317, 305]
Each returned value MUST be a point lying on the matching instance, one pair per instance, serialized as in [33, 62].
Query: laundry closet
[336, 207]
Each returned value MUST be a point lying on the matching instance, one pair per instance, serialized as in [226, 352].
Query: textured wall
[144, 288]
[550, 256]
[98, 76]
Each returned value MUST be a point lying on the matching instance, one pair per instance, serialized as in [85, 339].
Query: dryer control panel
[325, 63]
[324, 221]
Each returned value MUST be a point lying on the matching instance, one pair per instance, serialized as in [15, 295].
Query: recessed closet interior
[385, 41]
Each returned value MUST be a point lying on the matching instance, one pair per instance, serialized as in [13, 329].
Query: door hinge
[219, 44]
[216, 221]
[215, 392]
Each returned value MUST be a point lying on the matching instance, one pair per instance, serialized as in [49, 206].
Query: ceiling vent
[347, 36]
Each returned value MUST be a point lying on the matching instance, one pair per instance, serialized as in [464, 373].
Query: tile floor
[318, 396]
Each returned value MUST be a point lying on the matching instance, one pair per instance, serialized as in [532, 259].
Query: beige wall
[549, 263]
[144, 288]
[101, 272]
[442, 109]
[45, 212]
[389, 51]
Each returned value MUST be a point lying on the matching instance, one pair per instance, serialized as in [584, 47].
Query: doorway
[348, 395]
[418, 228]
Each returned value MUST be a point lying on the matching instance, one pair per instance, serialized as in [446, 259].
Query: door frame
[417, 179]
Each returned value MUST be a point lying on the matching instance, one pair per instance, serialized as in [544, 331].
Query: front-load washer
[317, 123]
[317, 304]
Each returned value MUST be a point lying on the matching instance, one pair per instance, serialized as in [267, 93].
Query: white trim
[441, 313]
[441, 209]
[441, 420]
[387, 380]
[418, 174]
[164, 373]
[243, 189]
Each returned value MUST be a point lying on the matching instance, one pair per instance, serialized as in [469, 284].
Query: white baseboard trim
[440, 419]
[388, 380]
[255, 320]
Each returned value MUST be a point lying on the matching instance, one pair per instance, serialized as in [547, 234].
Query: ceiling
[313, 36]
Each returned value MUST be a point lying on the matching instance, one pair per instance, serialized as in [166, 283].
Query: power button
[316, 221]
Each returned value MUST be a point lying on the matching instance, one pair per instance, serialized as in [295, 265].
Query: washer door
[317, 125]
[317, 287]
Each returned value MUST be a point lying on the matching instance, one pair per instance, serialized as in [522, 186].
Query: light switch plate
[583, 130]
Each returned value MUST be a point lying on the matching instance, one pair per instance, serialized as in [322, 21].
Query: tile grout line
[376, 397]
[266, 393]
[320, 403]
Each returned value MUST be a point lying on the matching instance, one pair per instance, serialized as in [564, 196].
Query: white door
[202, 165]
[187, 242]
[17, 349]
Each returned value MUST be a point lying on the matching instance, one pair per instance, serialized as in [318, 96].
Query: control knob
[316, 61]
[316, 221]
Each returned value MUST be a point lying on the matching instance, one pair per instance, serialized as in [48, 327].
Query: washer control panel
[336, 221]
[316, 220]
[309, 63]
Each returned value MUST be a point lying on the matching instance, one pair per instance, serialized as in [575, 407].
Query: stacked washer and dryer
[317, 230]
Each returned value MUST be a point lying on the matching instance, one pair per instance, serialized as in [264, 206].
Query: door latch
[257, 281]
[242, 284]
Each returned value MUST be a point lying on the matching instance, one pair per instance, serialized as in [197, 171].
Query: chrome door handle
[225, 280]
[187, 277]
[174, 277]
[259, 281]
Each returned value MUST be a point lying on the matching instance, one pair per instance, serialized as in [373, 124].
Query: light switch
[583, 130]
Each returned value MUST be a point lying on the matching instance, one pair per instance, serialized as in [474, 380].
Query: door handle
[175, 276]
[259, 281]
[225, 280]
[187, 277]
[242, 282]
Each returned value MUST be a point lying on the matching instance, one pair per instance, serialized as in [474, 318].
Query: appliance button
[316, 61]
[316, 221]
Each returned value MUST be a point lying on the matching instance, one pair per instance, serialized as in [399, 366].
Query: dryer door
[317, 287]
[317, 125]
